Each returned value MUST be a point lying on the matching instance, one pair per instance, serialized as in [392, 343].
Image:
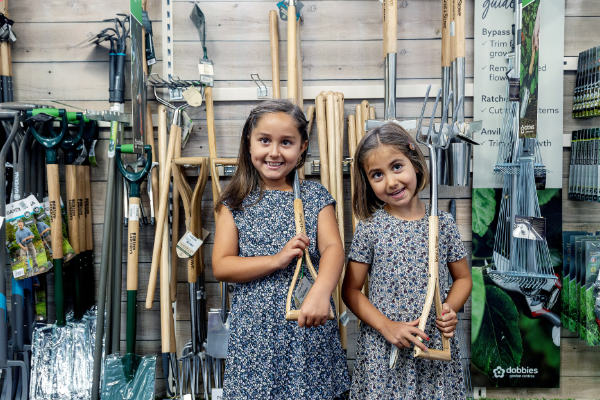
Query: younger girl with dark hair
[391, 246]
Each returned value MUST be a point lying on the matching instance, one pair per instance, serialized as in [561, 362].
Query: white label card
[188, 245]
[217, 394]
[301, 291]
[134, 212]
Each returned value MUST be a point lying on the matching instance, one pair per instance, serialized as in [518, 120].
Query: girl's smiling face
[393, 179]
[275, 148]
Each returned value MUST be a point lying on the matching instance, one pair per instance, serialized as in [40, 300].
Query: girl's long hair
[364, 201]
[246, 179]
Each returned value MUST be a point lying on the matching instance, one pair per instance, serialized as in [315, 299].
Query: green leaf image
[483, 210]
[544, 196]
[477, 301]
[499, 341]
[539, 341]
[556, 257]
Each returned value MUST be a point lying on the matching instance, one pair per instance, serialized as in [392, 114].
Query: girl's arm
[457, 297]
[401, 334]
[315, 308]
[230, 267]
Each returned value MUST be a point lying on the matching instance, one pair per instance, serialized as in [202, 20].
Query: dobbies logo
[499, 372]
[515, 372]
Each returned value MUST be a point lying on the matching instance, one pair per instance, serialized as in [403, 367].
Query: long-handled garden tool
[522, 264]
[131, 376]
[432, 140]
[193, 357]
[7, 365]
[274, 40]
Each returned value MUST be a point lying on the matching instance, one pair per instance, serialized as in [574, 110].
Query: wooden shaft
[452, 25]
[390, 27]
[364, 106]
[459, 27]
[274, 39]
[73, 220]
[446, 60]
[212, 144]
[133, 237]
[299, 94]
[351, 150]
[359, 123]
[310, 116]
[165, 296]
[372, 112]
[331, 145]
[433, 293]
[322, 136]
[292, 53]
[175, 227]
[81, 197]
[150, 141]
[162, 137]
[55, 214]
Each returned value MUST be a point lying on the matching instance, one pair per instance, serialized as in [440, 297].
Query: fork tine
[432, 118]
[420, 124]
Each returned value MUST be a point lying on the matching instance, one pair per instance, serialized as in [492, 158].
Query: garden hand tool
[431, 141]
[131, 376]
[192, 206]
[293, 314]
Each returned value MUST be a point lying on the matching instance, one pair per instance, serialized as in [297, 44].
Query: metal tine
[428, 142]
[458, 106]
[418, 135]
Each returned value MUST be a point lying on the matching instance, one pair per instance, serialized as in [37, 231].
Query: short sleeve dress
[396, 251]
[269, 357]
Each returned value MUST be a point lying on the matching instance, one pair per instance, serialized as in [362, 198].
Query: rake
[521, 264]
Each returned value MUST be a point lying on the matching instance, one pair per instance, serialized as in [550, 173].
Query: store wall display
[584, 165]
[515, 333]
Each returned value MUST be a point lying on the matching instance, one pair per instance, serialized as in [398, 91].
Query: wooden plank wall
[341, 44]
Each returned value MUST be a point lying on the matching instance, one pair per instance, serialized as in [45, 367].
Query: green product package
[592, 265]
[26, 244]
[565, 316]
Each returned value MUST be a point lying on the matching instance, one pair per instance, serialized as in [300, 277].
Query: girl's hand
[315, 308]
[403, 334]
[292, 249]
[447, 322]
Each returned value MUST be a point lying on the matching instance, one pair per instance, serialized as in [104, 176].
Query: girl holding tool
[391, 246]
[256, 248]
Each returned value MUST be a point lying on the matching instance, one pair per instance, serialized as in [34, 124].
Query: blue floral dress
[269, 357]
[396, 251]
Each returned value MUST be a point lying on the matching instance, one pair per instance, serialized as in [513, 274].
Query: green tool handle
[55, 112]
[57, 240]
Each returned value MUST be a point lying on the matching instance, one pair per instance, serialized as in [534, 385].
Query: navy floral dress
[396, 251]
[269, 357]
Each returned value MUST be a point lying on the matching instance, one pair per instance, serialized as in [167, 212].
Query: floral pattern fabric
[397, 252]
[269, 357]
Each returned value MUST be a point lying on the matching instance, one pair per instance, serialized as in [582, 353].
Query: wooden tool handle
[390, 27]
[292, 52]
[351, 150]
[87, 207]
[322, 136]
[299, 92]
[165, 296]
[175, 225]
[81, 197]
[433, 294]
[331, 143]
[72, 214]
[459, 27]
[161, 221]
[274, 39]
[55, 213]
[133, 237]
[446, 56]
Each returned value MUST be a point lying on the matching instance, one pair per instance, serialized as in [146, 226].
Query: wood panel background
[341, 45]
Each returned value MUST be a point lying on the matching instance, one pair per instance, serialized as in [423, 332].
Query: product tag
[193, 96]
[188, 245]
[187, 397]
[217, 394]
[17, 273]
[206, 70]
[92, 153]
[301, 291]
[530, 228]
[1, 221]
[134, 212]
[344, 318]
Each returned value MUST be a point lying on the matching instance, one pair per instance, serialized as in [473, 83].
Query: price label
[188, 245]
[217, 394]
[301, 291]
[134, 212]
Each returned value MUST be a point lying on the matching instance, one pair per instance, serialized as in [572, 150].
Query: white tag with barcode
[188, 245]
[134, 212]
[301, 291]
[217, 394]
[17, 273]
[206, 68]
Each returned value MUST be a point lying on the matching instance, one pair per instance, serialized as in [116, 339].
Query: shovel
[131, 376]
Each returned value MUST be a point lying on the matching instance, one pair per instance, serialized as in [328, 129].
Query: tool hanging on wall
[131, 376]
[330, 123]
[274, 40]
[521, 256]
